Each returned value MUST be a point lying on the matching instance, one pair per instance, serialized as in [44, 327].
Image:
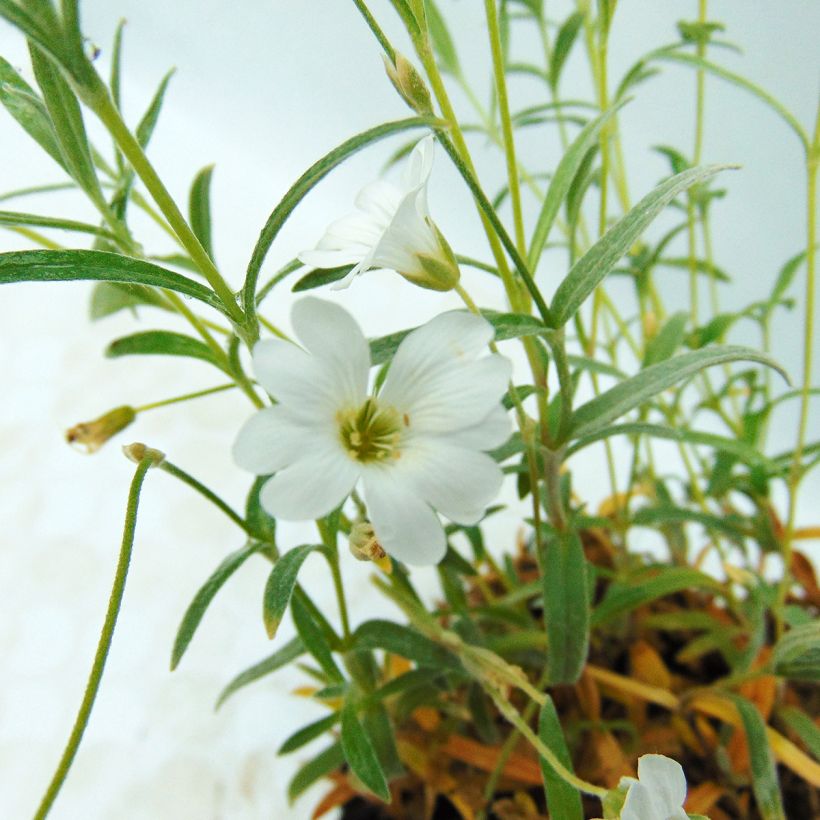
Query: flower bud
[409, 83]
[137, 452]
[89, 436]
[435, 271]
[364, 546]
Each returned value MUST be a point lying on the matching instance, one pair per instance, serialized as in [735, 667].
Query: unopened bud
[435, 272]
[364, 546]
[409, 83]
[89, 436]
[650, 324]
[138, 452]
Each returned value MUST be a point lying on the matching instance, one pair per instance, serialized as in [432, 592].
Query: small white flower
[391, 229]
[659, 791]
[416, 445]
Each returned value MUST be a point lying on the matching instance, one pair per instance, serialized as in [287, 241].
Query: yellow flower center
[370, 432]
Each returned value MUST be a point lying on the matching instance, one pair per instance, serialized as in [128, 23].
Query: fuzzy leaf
[199, 208]
[563, 800]
[320, 766]
[361, 756]
[404, 641]
[161, 343]
[280, 585]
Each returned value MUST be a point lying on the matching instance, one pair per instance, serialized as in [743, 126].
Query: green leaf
[67, 120]
[797, 654]
[737, 447]
[280, 584]
[310, 732]
[404, 641]
[668, 340]
[563, 800]
[633, 392]
[322, 765]
[202, 600]
[734, 526]
[564, 41]
[36, 220]
[566, 609]
[361, 756]
[562, 179]
[285, 656]
[303, 185]
[649, 585]
[145, 127]
[73, 265]
[111, 297]
[314, 639]
[765, 783]
[260, 523]
[116, 64]
[161, 343]
[591, 269]
[803, 726]
[442, 41]
[320, 277]
[26, 106]
[199, 208]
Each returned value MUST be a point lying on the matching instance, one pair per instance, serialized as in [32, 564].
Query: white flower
[416, 445]
[659, 791]
[392, 229]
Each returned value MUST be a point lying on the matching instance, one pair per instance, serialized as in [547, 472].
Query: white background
[263, 89]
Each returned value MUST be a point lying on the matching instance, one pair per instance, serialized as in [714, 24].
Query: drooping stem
[104, 645]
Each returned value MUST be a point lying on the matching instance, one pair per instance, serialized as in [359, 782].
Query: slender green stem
[376, 29]
[105, 109]
[506, 124]
[104, 645]
[332, 553]
[205, 492]
[185, 397]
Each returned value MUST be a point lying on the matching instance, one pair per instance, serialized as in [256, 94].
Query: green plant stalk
[205, 492]
[104, 645]
[332, 555]
[376, 29]
[107, 112]
[796, 473]
[185, 397]
[491, 14]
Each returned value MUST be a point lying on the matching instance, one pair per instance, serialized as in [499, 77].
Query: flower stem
[376, 29]
[105, 109]
[104, 645]
[185, 397]
[506, 124]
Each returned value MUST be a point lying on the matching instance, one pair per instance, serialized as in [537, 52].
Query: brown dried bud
[89, 436]
[409, 83]
[137, 452]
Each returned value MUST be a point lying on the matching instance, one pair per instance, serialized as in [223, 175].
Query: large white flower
[416, 445]
[659, 791]
[391, 229]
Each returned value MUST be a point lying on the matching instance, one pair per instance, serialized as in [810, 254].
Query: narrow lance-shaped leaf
[765, 783]
[202, 600]
[361, 756]
[199, 207]
[404, 641]
[145, 127]
[26, 106]
[323, 764]
[300, 188]
[162, 343]
[442, 41]
[280, 584]
[797, 654]
[73, 265]
[111, 297]
[633, 392]
[566, 609]
[39, 221]
[668, 340]
[278, 660]
[563, 800]
[561, 181]
[564, 41]
[314, 639]
[591, 269]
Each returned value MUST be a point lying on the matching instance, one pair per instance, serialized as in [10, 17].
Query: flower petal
[492, 431]
[311, 487]
[403, 524]
[639, 804]
[380, 199]
[294, 378]
[269, 440]
[456, 481]
[331, 334]
[420, 163]
[445, 395]
[666, 780]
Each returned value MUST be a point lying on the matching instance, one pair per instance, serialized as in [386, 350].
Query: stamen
[371, 432]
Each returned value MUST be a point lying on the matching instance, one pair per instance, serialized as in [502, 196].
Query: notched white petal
[270, 440]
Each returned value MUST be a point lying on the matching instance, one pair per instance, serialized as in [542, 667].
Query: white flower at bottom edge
[416, 446]
[659, 791]
[391, 229]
